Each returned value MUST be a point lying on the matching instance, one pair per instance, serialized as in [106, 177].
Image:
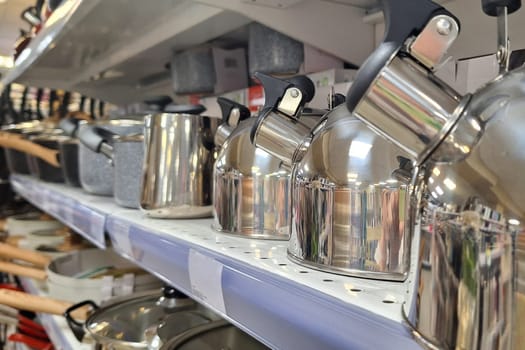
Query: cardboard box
[208, 70]
[473, 73]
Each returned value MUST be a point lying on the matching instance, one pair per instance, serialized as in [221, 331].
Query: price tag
[97, 222]
[206, 279]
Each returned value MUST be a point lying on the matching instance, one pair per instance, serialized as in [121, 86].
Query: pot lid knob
[158, 103]
[232, 112]
[172, 293]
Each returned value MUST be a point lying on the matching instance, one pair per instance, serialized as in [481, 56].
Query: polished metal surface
[410, 105]
[251, 189]
[348, 212]
[123, 325]
[178, 165]
[217, 335]
[470, 209]
[281, 136]
[433, 42]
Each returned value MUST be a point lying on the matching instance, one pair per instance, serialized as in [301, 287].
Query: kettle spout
[281, 136]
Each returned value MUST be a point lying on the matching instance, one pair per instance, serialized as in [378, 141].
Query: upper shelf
[117, 50]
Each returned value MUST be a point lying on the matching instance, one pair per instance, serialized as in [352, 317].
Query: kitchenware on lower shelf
[86, 274]
[251, 187]
[349, 201]
[131, 323]
[96, 172]
[23, 224]
[178, 163]
[126, 153]
[217, 335]
[468, 201]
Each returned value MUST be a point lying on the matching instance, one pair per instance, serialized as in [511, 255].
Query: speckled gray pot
[127, 159]
[96, 171]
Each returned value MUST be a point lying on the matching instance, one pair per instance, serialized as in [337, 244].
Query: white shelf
[56, 326]
[251, 282]
[84, 39]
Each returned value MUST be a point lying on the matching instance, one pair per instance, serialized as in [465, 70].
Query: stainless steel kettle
[178, 163]
[251, 187]
[468, 201]
[349, 185]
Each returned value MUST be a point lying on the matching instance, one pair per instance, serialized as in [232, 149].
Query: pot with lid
[468, 203]
[349, 201]
[251, 187]
[125, 324]
[178, 163]
[96, 171]
[126, 153]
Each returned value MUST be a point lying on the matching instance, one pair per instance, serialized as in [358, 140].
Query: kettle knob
[228, 107]
[490, 7]
[172, 293]
[158, 103]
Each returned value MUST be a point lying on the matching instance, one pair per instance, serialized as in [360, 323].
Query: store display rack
[56, 326]
[249, 282]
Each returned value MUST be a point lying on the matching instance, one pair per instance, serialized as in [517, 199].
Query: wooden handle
[3, 225]
[13, 141]
[23, 271]
[24, 301]
[37, 259]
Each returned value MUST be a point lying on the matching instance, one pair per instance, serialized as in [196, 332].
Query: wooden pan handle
[24, 301]
[16, 142]
[23, 271]
[11, 252]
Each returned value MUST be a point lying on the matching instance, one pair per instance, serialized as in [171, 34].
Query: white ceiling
[10, 23]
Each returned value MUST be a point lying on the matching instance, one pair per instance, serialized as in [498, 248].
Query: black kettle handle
[227, 106]
[275, 88]
[77, 327]
[403, 18]
[491, 7]
[185, 109]
[69, 126]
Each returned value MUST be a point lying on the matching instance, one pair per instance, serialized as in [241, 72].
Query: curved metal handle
[77, 327]
[491, 7]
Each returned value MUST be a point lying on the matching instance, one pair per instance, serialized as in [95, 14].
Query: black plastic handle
[491, 7]
[101, 106]
[227, 106]
[82, 103]
[64, 106]
[92, 104]
[403, 19]
[39, 95]
[275, 88]
[184, 109]
[52, 98]
[158, 103]
[93, 137]
[77, 327]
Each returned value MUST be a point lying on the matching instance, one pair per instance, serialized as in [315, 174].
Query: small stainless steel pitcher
[178, 163]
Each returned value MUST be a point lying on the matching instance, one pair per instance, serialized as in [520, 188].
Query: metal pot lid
[130, 138]
[116, 122]
[126, 322]
[217, 335]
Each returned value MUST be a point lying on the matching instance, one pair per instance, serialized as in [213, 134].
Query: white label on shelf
[206, 279]
[96, 226]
